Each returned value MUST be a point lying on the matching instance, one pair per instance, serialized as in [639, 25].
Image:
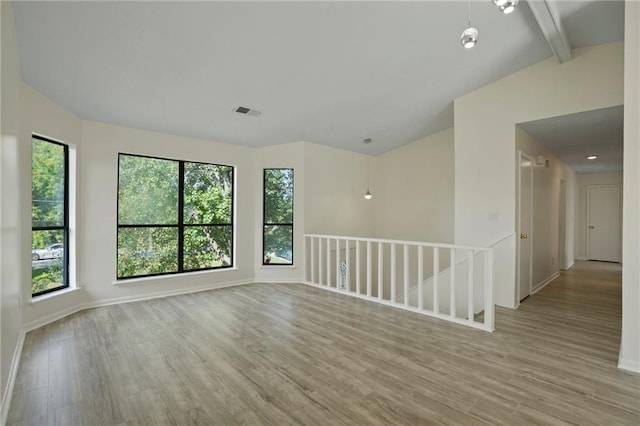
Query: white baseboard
[127, 299]
[280, 280]
[632, 366]
[11, 380]
[544, 283]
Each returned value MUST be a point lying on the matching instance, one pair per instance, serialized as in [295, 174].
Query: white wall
[329, 188]
[581, 227]
[546, 209]
[485, 120]
[414, 198]
[630, 346]
[414, 190]
[40, 115]
[11, 210]
[101, 145]
[334, 184]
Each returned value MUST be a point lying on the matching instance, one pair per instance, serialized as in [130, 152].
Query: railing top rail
[413, 243]
[501, 239]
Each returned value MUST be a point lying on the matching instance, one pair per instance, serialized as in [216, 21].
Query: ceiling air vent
[247, 111]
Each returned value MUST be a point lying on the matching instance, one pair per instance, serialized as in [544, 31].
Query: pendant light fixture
[469, 37]
[367, 195]
[506, 6]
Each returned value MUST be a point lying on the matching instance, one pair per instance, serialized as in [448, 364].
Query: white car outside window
[53, 251]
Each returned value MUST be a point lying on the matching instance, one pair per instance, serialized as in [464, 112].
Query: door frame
[521, 155]
[586, 231]
[562, 226]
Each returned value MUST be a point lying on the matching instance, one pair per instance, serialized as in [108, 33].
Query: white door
[525, 222]
[604, 223]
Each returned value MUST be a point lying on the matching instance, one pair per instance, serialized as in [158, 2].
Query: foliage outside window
[173, 216]
[278, 217]
[49, 215]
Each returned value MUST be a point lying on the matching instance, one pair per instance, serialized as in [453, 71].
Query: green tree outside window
[278, 217]
[173, 216]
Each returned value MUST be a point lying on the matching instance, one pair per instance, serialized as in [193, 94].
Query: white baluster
[347, 276]
[488, 293]
[380, 270]
[357, 267]
[420, 277]
[338, 280]
[471, 271]
[313, 259]
[405, 256]
[328, 262]
[369, 268]
[452, 274]
[320, 262]
[436, 276]
[393, 272]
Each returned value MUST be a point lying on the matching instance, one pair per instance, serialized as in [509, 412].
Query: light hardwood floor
[292, 354]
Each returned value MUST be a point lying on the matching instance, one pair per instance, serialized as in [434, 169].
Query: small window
[277, 233]
[49, 216]
[173, 216]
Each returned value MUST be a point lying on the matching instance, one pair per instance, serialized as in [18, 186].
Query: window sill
[148, 280]
[38, 299]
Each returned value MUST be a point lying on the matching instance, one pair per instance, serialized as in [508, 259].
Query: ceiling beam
[548, 18]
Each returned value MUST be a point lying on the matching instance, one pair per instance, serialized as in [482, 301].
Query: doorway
[604, 223]
[525, 225]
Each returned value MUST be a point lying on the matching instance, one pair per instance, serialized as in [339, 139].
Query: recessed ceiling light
[591, 157]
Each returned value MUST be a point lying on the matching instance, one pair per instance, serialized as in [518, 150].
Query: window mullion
[65, 219]
[181, 216]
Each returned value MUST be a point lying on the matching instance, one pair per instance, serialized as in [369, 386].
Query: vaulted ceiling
[326, 72]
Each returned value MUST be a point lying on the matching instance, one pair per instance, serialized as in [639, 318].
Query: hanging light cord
[469, 15]
[368, 166]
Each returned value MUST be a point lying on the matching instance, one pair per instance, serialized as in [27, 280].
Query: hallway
[579, 311]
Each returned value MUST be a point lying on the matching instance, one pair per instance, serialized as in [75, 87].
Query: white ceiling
[572, 137]
[327, 72]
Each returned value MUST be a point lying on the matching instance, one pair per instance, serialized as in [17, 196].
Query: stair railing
[445, 281]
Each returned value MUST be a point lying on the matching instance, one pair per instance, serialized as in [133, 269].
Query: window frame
[264, 215]
[180, 225]
[65, 228]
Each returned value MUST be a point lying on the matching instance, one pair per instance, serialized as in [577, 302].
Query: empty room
[320, 212]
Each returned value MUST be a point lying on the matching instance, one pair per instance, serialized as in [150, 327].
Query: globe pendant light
[469, 37]
[367, 195]
[506, 6]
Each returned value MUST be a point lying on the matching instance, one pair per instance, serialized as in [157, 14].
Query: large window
[173, 216]
[49, 216]
[278, 217]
